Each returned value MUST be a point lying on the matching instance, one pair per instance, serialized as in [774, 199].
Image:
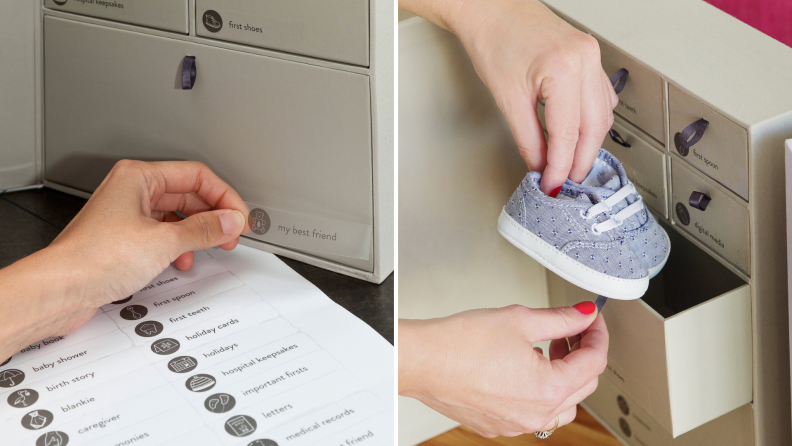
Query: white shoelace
[606, 205]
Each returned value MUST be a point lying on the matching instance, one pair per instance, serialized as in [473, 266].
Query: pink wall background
[772, 17]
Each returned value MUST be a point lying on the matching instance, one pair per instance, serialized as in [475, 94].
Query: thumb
[548, 324]
[206, 230]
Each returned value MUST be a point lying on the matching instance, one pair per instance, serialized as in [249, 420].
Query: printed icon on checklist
[23, 398]
[200, 382]
[165, 346]
[37, 419]
[182, 364]
[11, 377]
[212, 21]
[263, 442]
[6, 361]
[134, 312]
[240, 425]
[54, 438]
[259, 221]
[148, 329]
[220, 403]
[122, 301]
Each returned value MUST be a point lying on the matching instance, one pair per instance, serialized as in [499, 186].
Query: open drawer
[684, 351]
[287, 136]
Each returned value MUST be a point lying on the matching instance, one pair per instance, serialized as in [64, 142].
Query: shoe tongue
[603, 179]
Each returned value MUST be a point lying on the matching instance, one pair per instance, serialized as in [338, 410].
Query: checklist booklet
[239, 350]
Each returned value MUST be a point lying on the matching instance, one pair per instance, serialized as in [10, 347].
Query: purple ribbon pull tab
[617, 138]
[188, 73]
[619, 80]
[691, 135]
[699, 201]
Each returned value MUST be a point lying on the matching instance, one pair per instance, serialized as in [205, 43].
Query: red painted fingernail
[585, 307]
[554, 193]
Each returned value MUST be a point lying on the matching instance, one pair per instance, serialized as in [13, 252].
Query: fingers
[184, 261]
[187, 204]
[546, 324]
[611, 92]
[562, 116]
[559, 348]
[596, 117]
[205, 230]
[581, 366]
[577, 397]
[527, 130]
[180, 177]
[564, 418]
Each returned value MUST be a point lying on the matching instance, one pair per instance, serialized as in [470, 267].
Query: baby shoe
[578, 234]
[648, 241]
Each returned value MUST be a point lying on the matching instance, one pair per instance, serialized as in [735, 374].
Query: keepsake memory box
[703, 114]
[290, 102]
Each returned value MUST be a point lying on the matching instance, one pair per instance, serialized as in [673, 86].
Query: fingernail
[600, 302]
[585, 307]
[554, 193]
[232, 222]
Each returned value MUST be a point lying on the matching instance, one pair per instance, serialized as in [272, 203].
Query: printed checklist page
[239, 350]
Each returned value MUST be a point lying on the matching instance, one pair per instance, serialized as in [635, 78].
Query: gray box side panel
[17, 94]
[383, 109]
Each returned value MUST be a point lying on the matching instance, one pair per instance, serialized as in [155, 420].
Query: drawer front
[655, 353]
[723, 226]
[722, 151]
[285, 135]
[170, 15]
[641, 100]
[619, 410]
[328, 29]
[644, 163]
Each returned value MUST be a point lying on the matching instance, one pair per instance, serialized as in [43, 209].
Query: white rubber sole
[569, 269]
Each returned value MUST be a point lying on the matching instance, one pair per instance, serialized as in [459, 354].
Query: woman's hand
[523, 53]
[479, 368]
[125, 236]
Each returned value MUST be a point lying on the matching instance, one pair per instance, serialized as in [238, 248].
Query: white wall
[458, 165]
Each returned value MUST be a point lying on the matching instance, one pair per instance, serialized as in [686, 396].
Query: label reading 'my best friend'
[309, 233]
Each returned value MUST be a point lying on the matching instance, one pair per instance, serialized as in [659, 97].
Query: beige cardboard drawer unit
[169, 15]
[713, 68]
[306, 136]
[642, 98]
[722, 151]
[644, 161]
[683, 352]
[723, 225]
[327, 29]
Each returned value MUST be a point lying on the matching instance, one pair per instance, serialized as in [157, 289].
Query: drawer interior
[689, 278]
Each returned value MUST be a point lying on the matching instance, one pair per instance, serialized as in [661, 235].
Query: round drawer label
[625, 427]
[212, 21]
[623, 406]
[682, 214]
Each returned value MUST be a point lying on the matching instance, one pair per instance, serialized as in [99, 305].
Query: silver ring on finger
[545, 434]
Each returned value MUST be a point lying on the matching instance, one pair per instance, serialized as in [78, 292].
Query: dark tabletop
[31, 219]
